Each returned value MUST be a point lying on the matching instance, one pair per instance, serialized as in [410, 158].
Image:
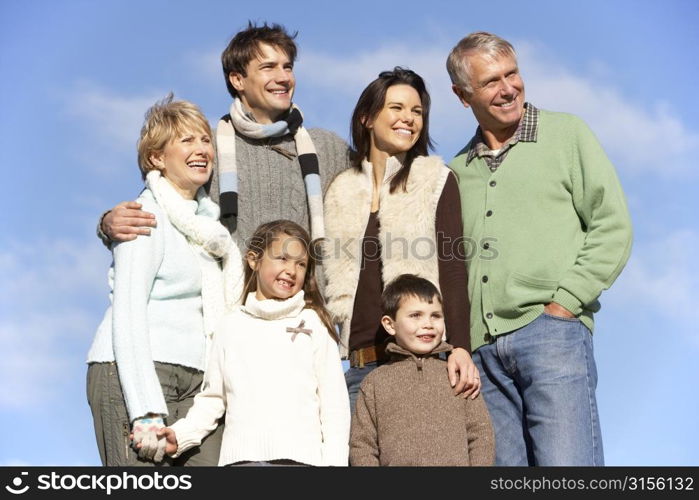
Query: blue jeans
[353, 379]
[539, 386]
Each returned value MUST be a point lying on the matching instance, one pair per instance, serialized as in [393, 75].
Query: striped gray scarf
[237, 120]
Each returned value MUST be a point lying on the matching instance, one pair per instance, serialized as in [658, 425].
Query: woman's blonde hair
[164, 121]
[260, 242]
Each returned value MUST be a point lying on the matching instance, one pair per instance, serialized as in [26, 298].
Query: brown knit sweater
[407, 415]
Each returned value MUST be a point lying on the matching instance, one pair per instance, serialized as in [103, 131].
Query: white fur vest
[406, 233]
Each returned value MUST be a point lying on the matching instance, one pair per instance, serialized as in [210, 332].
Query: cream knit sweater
[283, 393]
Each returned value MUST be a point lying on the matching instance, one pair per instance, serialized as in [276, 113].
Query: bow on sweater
[298, 329]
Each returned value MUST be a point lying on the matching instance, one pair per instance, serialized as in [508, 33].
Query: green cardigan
[550, 224]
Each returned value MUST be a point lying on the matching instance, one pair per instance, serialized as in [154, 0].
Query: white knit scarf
[210, 242]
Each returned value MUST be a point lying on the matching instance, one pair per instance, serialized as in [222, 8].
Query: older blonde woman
[147, 359]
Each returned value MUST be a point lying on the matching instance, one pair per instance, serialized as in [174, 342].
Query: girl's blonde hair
[260, 242]
[164, 121]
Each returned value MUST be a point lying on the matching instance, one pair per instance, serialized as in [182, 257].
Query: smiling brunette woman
[147, 360]
[397, 211]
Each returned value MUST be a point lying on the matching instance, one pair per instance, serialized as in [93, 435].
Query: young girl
[274, 366]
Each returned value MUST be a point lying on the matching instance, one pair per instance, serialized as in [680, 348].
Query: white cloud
[37, 272]
[14, 463]
[48, 291]
[328, 86]
[36, 357]
[661, 276]
[112, 120]
[205, 66]
[639, 136]
[351, 74]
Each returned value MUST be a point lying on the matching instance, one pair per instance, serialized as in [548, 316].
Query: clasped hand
[145, 437]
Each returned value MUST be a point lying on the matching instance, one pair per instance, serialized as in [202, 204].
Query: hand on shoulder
[126, 221]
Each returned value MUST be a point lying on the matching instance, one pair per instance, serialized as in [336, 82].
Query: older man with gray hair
[540, 194]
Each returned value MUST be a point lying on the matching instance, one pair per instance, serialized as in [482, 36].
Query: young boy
[406, 412]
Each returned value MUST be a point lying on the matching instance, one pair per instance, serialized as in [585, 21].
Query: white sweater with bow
[283, 390]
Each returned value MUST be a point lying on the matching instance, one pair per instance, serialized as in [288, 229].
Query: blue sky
[78, 76]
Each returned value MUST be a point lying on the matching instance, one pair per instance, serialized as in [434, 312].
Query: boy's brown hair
[407, 285]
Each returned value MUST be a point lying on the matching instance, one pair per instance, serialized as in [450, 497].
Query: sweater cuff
[185, 440]
[568, 300]
[100, 234]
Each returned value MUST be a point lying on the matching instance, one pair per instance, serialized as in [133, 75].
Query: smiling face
[418, 326]
[397, 126]
[186, 161]
[497, 99]
[268, 86]
[281, 271]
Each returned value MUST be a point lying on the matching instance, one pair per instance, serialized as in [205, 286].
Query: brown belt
[359, 357]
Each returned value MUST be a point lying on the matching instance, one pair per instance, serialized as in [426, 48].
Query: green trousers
[112, 426]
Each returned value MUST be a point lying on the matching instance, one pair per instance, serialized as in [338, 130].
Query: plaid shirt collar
[526, 132]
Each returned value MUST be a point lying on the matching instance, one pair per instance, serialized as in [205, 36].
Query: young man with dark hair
[269, 166]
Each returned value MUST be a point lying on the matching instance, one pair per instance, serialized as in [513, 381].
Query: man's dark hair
[245, 46]
[407, 285]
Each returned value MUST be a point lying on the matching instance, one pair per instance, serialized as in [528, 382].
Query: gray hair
[481, 42]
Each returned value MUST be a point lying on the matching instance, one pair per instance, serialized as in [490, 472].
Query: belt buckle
[357, 358]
